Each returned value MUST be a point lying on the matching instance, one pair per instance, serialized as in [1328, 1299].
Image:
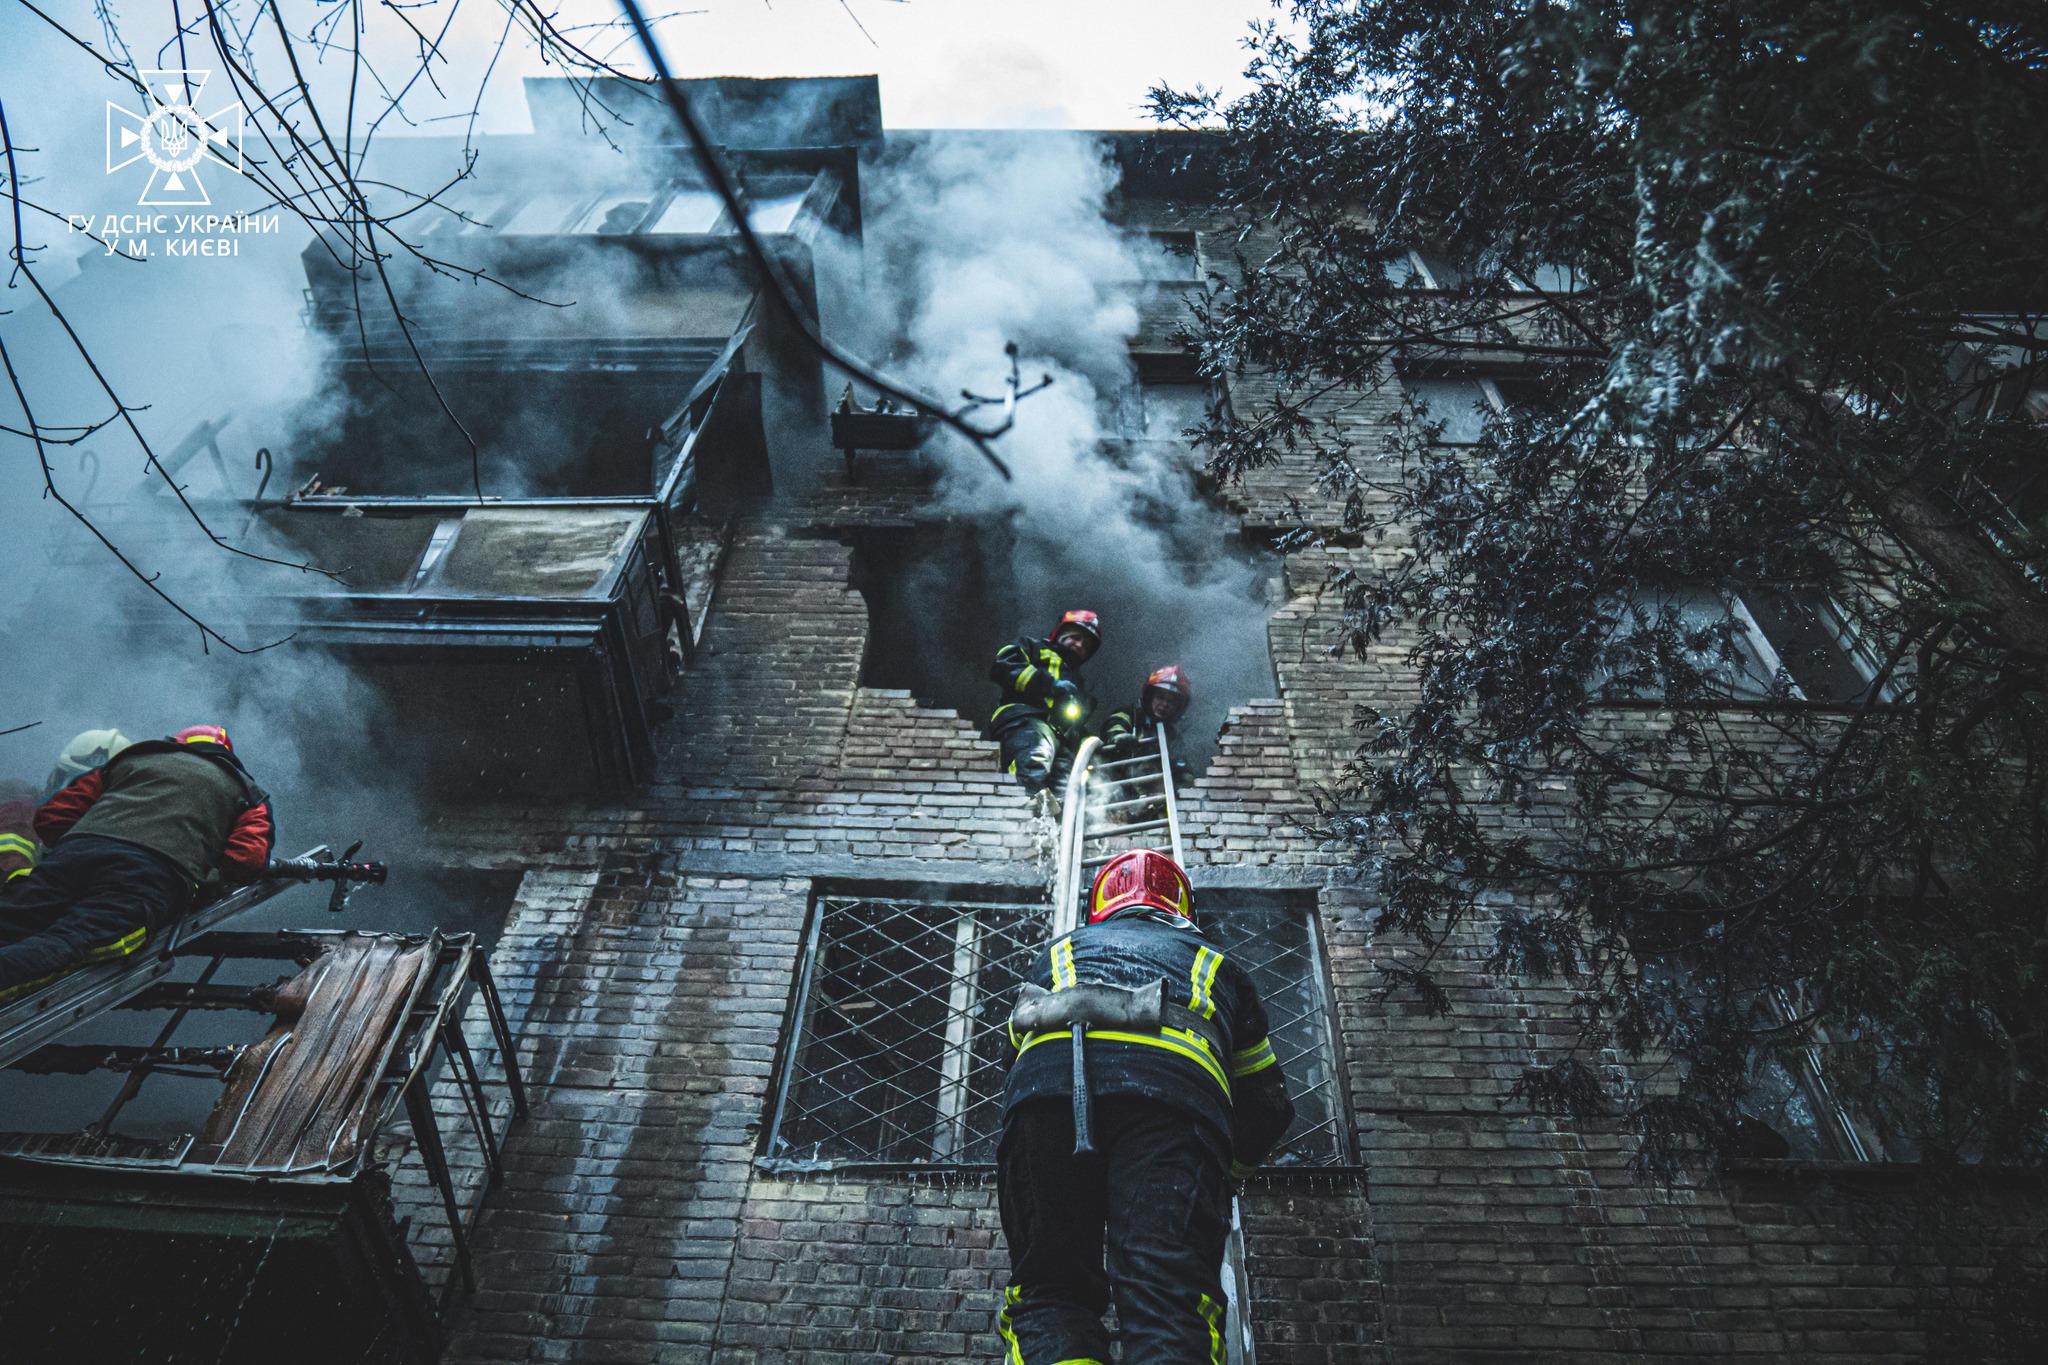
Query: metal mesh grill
[901, 1040]
[903, 1043]
[1279, 948]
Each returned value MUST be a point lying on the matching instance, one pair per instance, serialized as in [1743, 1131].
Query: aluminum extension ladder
[1111, 808]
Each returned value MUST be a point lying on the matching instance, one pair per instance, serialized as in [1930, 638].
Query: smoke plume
[977, 240]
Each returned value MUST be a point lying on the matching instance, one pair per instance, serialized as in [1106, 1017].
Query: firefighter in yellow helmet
[1178, 1092]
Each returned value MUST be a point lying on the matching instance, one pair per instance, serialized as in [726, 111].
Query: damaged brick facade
[651, 959]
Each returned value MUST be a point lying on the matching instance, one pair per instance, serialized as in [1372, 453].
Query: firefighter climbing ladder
[1111, 808]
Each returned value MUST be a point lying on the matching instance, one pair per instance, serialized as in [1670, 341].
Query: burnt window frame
[792, 1069]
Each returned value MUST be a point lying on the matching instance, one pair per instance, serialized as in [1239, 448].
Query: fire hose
[344, 873]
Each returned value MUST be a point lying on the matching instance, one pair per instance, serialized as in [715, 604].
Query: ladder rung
[1134, 801]
[1138, 828]
[1125, 762]
[1099, 831]
[1098, 862]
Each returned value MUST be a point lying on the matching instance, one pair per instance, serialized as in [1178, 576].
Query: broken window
[898, 1041]
[943, 597]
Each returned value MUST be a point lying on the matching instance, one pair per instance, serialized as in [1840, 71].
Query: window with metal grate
[897, 1043]
[1275, 936]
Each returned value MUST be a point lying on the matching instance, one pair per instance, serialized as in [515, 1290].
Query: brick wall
[650, 959]
[827, 1270]
[652, 953]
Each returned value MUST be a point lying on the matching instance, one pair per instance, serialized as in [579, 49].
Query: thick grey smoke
[182, 340]
[978, 240]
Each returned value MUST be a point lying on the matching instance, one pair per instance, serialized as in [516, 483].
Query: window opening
[1414, 270]
[898, 1040]
[690, 212]
[1278, 940]
[1167, 256]
[1825, 656]
[942, 598]
[1463, 406]
[1550, 279]
[1761, 644]
[899, 1036]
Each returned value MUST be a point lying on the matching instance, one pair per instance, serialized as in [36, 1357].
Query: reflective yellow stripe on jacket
[1202, 982]
[21, 846]
[1186, 1042]
[1247, 1060]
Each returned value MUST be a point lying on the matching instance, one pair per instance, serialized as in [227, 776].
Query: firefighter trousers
[1157, 1188]
[90, 899]
[1030, 751]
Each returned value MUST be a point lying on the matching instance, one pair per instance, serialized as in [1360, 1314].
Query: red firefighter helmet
[204, 734]
[1089, 626]
[1143, 879]
[1171, 685]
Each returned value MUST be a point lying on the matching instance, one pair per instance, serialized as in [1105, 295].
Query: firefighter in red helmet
[1178, 1094]
[129, 844]
[1042, 703]
[1163, 700]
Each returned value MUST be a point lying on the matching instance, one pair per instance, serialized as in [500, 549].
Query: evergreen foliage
[1762, 286]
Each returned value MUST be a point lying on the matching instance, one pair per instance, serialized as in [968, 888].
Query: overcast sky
[975, 63]
[942, 63]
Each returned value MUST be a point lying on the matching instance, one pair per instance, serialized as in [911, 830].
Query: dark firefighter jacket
[1132, 726]
[1224, 1072]
[1026, 669]
[17, 838]
[196, 807]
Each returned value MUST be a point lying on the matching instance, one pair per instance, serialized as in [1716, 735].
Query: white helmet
[89, 750]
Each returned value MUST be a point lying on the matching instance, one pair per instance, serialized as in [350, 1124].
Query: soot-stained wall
[653, 950]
